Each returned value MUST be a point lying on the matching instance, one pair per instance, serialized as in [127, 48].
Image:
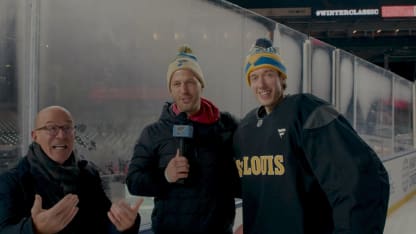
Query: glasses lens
[54, 129]
[67, 129]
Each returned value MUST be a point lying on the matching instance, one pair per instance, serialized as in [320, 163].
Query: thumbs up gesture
[122, 215]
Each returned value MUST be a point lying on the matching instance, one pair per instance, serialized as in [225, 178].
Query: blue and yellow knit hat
[264, 55]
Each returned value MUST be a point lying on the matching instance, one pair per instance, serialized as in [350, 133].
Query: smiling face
[186, 91]
[267, 86]
[54, 132]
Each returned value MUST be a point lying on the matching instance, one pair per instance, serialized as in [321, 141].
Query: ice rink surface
[403, 220]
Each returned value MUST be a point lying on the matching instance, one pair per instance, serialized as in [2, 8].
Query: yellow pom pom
[185, 49]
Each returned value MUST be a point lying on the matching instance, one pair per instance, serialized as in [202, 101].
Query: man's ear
[34, 135]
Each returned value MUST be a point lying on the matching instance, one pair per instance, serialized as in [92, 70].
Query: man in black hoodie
[193, 190]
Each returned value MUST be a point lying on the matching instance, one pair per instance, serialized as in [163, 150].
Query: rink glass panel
[403, 115]
[374, 107]
[346, 88]
[322, 69]
[10, 136]
[291, 46]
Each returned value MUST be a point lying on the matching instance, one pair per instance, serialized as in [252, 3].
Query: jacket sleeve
[348, 171]
[12, 217]
[235, 179]
[144, 176]
[135, 228]
[102, 204]
[230, 124]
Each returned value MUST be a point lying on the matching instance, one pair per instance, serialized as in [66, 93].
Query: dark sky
[322, 4]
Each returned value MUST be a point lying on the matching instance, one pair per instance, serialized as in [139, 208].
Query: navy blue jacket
[205, 202]
[17, 193]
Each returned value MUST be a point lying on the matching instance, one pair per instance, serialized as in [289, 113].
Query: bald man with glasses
[51, 190]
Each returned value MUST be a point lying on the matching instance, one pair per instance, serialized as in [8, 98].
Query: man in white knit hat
[194, 184]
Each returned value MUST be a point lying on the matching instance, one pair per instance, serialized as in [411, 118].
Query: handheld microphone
[182, 131]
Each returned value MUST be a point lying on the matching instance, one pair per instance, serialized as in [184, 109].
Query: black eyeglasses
[53, 129]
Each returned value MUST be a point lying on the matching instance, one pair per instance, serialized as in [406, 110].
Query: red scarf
[207, 114]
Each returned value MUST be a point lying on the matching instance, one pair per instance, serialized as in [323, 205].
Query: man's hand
[56, 218]
[178, 168]
[122, 215]
[239, 230]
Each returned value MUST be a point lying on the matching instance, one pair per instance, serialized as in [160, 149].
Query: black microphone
[182, 131]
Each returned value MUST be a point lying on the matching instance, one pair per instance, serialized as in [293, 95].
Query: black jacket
[205, 202]
[17, 193]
